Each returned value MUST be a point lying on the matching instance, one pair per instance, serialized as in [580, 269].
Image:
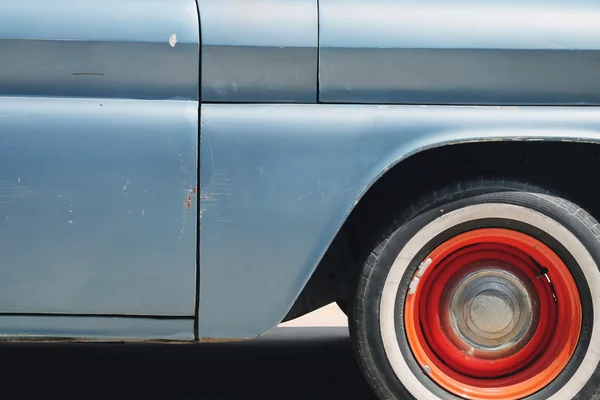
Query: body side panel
[142, 49]
[104, 329]
[460, 52]
[93, 214]
[278, 181]
[259, 50]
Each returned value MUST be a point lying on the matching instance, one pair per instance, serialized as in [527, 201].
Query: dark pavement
[290, 363]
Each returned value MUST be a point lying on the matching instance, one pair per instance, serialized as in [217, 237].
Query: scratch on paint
[215, 195]
[12, 192]
[182, 167]
[219, 88]
[212, 159]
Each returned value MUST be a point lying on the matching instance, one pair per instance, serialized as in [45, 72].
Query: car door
[98, 149]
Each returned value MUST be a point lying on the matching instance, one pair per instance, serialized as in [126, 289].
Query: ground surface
[309, 358]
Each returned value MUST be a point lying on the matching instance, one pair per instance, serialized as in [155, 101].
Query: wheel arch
[332, 269]
[454, 139]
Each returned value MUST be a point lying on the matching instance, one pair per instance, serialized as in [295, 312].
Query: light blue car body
[176, 170]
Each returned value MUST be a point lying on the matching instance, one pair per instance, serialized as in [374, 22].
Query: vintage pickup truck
[186, 170]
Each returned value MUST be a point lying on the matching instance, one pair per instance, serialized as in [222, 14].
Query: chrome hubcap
[489, 309]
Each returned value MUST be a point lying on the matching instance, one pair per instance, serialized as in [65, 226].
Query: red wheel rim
[493, 314]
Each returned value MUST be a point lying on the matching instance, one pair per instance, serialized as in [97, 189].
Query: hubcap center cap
[491, 311]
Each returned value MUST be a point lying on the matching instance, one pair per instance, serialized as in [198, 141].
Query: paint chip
[423, 267]
[173, 40]
[413, 285]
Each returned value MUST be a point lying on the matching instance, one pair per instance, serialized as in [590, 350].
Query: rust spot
[188, 201]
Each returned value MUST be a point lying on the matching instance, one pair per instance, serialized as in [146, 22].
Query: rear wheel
[486, 290]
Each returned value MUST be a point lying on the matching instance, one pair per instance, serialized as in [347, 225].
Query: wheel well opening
[563, 167]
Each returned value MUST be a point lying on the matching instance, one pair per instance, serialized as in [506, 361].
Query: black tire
[580, 379]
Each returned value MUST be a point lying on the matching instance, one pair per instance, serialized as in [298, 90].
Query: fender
[278, 181]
